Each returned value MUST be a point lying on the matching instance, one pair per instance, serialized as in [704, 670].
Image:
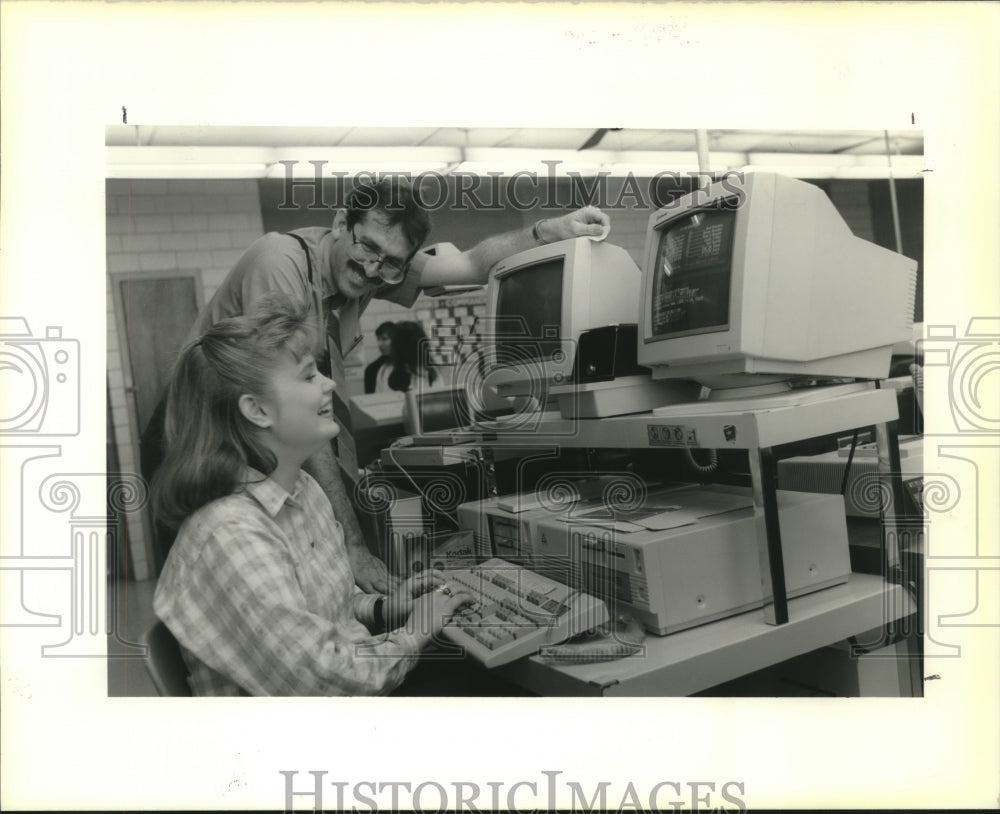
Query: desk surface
[693, 660]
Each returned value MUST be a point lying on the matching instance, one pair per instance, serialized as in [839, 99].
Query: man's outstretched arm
[472, 267]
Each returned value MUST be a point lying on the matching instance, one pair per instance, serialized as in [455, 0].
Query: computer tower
[671, 579]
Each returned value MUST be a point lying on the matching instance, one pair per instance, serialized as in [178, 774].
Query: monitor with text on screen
[542, 299]
[757, 281]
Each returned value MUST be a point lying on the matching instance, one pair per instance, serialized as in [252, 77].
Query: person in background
[383, 335]
[408, 367]
[257, 588]
[337, 276]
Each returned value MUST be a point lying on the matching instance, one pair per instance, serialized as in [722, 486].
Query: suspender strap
[323, 363]
[305, 247]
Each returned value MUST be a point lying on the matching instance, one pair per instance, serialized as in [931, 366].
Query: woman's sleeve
[238, 607]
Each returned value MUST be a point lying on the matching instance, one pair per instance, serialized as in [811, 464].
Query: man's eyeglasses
[388, 268]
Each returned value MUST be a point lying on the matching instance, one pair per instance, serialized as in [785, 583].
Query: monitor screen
[541, 300]
[529, 311]
[693, 274]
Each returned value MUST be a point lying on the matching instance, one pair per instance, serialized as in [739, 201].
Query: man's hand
[587, 222]
[472, 267]
[370, 572]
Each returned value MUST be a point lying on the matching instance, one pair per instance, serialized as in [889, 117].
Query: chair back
[164, 661]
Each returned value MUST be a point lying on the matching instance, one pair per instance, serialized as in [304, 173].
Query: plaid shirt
[259, 592]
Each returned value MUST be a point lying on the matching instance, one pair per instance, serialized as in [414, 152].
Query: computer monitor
[758, 281]
[539, 302]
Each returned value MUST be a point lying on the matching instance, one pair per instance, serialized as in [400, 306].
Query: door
[154, 312]
[118, 559]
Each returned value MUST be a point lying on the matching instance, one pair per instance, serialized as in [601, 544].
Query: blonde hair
[209, 443]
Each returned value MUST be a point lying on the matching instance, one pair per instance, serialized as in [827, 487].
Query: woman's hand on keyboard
[432, 609]
[399, 603]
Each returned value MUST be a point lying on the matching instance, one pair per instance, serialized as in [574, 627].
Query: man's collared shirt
[259, 593]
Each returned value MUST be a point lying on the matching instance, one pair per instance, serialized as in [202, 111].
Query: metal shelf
[756, 425]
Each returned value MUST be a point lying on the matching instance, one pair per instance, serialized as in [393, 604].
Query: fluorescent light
[261, 162]
[900, 169]
[688, 168]
[535, 158]
[306, 171]
[817, 165]
[186, 171]
[537, 168]
[302, 163]
[186, 162]
[813, 171]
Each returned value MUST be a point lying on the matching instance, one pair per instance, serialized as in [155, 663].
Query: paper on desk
[526, 501]
[587, 492]
[628, 521]
[668, 512]
[518, 503]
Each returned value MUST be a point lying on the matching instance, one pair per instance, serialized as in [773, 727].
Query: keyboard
[516, 612]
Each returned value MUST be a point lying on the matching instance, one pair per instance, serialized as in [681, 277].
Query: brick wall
[156, 226]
